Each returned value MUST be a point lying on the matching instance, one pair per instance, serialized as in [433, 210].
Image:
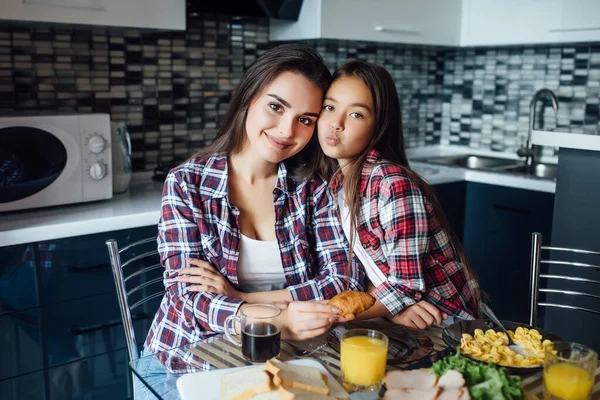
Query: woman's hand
[420, 316]
[303, 320]
[205, 278]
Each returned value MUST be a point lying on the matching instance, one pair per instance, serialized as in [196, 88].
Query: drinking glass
[569, 371]
[260, 331]
[363, 359]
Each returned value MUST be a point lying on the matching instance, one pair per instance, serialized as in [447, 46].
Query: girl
[246, 212]
[418, 269]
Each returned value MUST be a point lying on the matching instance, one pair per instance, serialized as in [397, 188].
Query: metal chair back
[137, 267]
[537, 259]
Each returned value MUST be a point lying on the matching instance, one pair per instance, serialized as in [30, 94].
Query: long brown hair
[291, 57]
[388, 141]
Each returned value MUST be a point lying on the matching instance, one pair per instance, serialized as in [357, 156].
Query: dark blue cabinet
[24, 387]
[21, 345]
[452, 199]
[61, 335]
[497, 238]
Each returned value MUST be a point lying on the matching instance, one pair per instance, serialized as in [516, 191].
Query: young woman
[418, 270]
[246, 214]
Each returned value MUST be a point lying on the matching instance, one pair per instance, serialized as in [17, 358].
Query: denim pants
[157, 376]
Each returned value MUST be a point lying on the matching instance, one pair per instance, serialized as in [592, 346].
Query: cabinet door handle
[401, 30]
[88, 329]
[511, 209]
[566, 30]
[49, 3]
[77, 269]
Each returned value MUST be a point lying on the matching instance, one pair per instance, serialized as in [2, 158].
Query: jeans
[157, 376]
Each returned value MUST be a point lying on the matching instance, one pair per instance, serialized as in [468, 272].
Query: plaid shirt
[197, 221]
[399, 230]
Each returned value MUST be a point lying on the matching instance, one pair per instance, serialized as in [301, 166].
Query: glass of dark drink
[260, 331]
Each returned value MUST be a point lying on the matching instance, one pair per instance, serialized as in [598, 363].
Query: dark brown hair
[291, 57]
[388, 141]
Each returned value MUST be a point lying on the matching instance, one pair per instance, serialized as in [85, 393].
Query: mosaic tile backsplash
[172, 88]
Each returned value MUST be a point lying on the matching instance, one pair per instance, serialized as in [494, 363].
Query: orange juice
[568, 381]
[363, 360]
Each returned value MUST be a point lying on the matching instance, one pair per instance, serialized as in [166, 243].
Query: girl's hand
[420, 316]
[303, 320]
[205, 278]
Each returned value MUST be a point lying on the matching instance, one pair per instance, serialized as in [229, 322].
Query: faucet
[527, 151]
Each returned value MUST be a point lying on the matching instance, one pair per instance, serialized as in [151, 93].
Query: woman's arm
[178, 241]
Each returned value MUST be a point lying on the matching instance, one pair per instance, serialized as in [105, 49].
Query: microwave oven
[54, 159]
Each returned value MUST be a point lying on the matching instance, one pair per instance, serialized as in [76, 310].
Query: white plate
[207, 385]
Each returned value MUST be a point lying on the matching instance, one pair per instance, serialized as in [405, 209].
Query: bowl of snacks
[482, 340]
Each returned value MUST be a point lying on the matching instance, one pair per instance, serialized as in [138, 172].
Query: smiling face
[281, 118]
[347, 120]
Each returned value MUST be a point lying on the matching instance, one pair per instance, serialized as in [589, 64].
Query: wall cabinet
[509, 22]
[152, 14]
[444, 22]
[60, 320]
[395, 21]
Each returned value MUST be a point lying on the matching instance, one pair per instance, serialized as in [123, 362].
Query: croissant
[352, 303]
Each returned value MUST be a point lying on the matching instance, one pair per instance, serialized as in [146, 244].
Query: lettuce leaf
[485, 381]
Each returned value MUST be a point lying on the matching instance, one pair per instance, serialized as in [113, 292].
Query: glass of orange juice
[569, 370]
[363, 358]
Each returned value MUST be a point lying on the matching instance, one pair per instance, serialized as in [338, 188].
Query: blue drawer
[18, 289]
[25, 387]
[20, 343]
[79, 267]
[97, 378]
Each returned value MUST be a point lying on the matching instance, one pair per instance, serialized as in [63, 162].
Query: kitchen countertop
[140, 205]
[567, 140]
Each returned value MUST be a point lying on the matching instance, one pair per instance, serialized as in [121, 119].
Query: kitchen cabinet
[60, 320]
[151, 14]
[452, 200]
[497, 239]
[509, 22]
[433, 22]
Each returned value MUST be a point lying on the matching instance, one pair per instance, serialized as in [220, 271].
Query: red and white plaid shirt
[197, 221]
[398, 228]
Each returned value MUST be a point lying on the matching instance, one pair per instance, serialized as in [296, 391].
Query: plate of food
[273, 380]
[482, 340]
[454, 377]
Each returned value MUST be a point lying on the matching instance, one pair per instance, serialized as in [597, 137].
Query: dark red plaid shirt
[399, 230]
[197, 221]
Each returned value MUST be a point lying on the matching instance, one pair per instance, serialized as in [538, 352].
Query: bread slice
[245, 383]
[272, 395]
[300, 377]
[298, 394]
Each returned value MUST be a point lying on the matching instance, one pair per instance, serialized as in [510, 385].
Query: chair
[565, 295]
[142, 266]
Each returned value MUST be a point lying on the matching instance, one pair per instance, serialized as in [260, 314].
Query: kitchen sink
[471, 161]
[540, 170]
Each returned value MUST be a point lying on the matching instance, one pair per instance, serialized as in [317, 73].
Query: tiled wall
[487, 93]
[172, 88]
[169, 87]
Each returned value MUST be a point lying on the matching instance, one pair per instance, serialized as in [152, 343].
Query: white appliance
[53, 160]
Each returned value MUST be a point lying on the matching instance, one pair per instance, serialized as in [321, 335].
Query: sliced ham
[408, 394]
[450, 394]
[415, 379]
[451, 379]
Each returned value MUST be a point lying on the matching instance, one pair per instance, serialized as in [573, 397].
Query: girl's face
[281, 119]
[347, 120]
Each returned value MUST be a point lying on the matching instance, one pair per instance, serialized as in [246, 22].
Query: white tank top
[375, 275]
[259, 266]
